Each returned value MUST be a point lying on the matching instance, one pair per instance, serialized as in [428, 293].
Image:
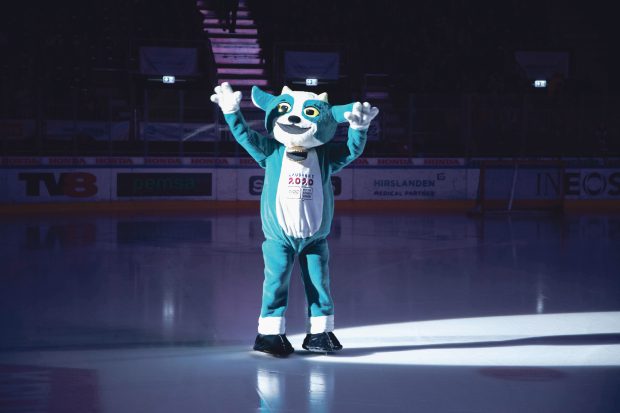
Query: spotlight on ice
[569, 339]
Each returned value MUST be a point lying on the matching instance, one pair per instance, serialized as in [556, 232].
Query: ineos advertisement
[592, 184]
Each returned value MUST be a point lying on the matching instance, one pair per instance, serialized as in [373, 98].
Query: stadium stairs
[237, 56]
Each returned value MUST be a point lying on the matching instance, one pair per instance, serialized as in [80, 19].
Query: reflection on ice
[269, 386]
[313, 392]
[320, 388]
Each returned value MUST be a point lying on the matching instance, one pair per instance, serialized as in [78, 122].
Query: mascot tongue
[296, 153]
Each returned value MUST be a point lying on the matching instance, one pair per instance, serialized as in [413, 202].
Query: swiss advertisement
[409, 184]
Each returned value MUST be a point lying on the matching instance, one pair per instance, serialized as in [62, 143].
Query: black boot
[276, 344]
[322, 343]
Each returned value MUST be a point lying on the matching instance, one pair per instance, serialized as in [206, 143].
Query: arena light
[540, 83]
[168, 79]
[312, 82]
[524, 340]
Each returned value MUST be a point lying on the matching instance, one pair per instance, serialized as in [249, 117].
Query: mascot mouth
[292, 129]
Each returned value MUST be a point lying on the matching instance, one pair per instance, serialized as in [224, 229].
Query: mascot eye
[284, 107]
[311, 112]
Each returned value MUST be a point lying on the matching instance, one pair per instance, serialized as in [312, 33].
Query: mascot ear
[260, 98]
[286, 90]
[339, 110]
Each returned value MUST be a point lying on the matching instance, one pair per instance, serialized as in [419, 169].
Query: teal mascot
[297, 203]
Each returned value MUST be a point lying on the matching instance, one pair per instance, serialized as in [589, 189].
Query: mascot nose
[294, 119]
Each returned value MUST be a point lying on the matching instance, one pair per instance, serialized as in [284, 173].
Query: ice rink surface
[437, 313]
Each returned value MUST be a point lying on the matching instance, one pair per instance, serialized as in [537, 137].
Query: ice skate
[321, 343]
[275, 344]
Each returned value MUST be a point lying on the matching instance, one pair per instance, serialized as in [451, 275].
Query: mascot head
[301, 120]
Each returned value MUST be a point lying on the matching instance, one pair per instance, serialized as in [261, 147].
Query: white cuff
[359, 126]
[271, 325]
[230, 111]
[320, 324]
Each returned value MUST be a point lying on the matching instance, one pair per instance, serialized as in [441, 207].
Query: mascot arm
[343, 154]
[254, 143]
[359, 120]
[258, 146]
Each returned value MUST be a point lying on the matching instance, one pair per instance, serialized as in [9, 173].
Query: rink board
[76, 179]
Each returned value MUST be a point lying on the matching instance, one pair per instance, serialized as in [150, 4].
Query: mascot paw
[275, 344]
[321, 343]
[227, 100]
[361, 115]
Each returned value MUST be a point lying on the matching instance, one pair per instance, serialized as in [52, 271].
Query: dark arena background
[475, 247]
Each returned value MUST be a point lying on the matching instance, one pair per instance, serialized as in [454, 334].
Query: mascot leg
[314, 261]
[271, 336]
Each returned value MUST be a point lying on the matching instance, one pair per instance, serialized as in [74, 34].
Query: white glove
[360, 116]
[226, 98]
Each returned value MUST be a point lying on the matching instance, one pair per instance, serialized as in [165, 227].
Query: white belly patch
[300, 196]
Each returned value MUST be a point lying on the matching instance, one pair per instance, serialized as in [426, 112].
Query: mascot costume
[297, 203]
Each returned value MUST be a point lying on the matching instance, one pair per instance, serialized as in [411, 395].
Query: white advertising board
[78, 179]
[165, 183]
[409, 184]
[549, 183]
[57, 185]
[67, 130]
[249, 183]
[170, 131]
[592, 183]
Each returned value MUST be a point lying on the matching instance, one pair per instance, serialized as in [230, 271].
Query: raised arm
[359, 121]
[258, 146]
